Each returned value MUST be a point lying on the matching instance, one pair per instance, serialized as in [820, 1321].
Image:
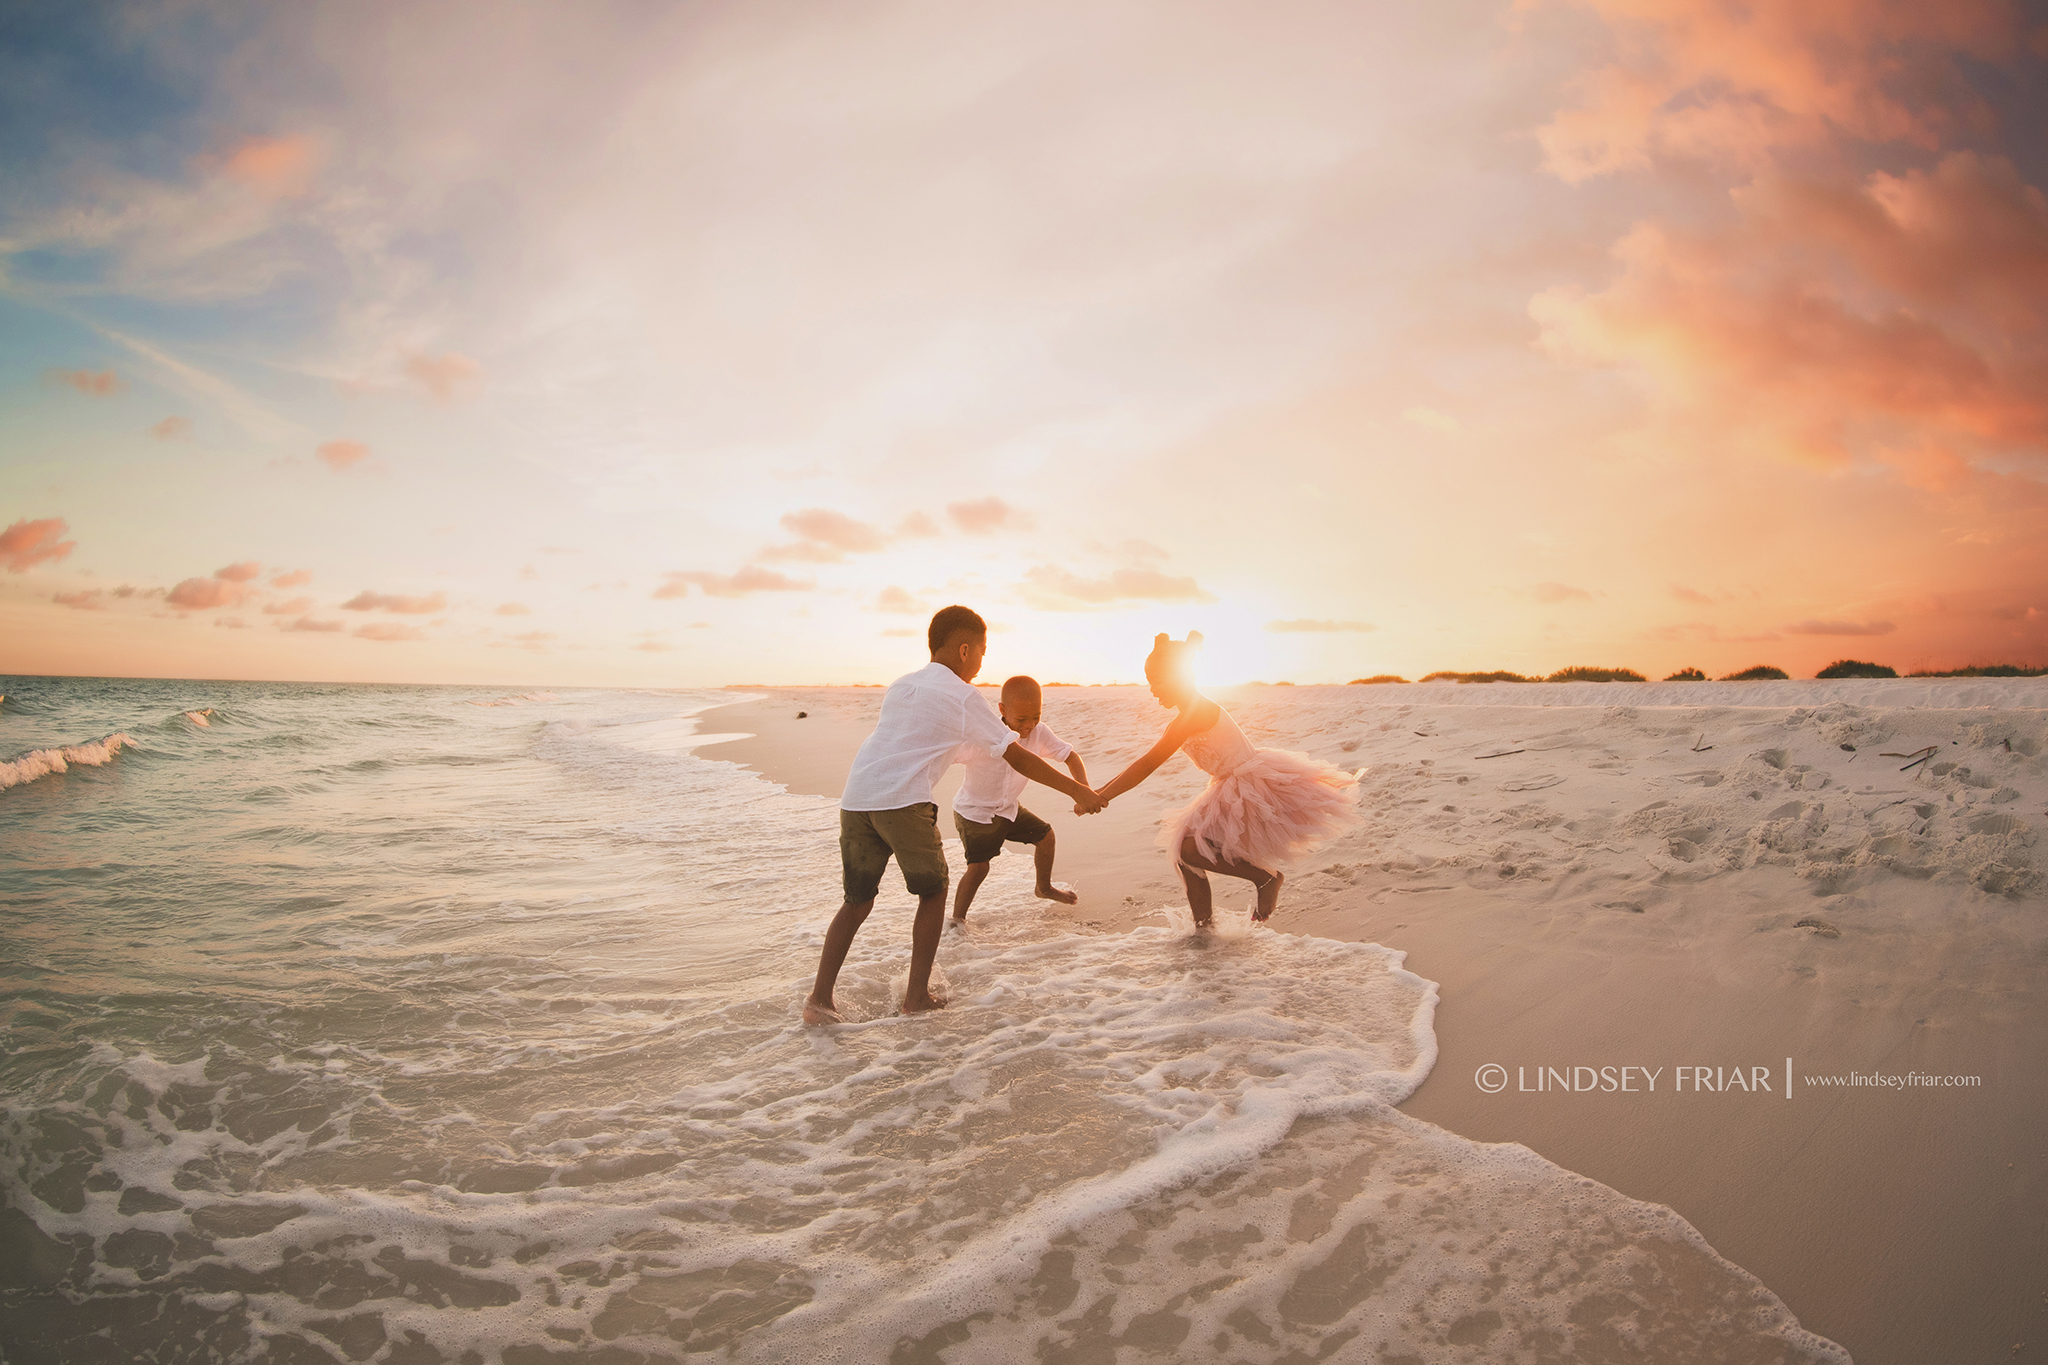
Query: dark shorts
[869, 838]
[980, 843]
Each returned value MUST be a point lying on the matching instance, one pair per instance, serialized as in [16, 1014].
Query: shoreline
[1905, 1224]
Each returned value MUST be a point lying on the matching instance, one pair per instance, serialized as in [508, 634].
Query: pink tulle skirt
[1275, 806]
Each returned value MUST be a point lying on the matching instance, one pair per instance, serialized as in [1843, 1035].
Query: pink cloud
[985, 516]
[534, 639]
[230, 623]
[1559, 592]
[896, 600]
[280, 167]
[1685, 594]
[339, 455]
[917, 526]
[173, 428]
[27, 543]
[389, 631]
[653, 646]
[513, 609]
[201, 594]
[1841, 628]
[750, 579]
[1746, 334]
[825, 537]
[1725, 82]
[307, 623]
[297, 578]
[294, 607]
[445, 376]
[86, 600]
[239, 573]
[91, 383]
[1054, 589]
[389, 601]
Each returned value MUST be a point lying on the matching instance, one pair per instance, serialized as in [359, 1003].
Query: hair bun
[1194, 640]
[1161, 640]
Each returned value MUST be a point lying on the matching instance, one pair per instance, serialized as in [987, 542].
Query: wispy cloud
[389, 632]
[1050, 588]
[172, 428]
[91, 383]
[986, 516]
[446, 377]
[340, 455]
[229, 399]
[391, 601]
[87, 599]
[751, 579]
[1307, 626]
[1840, 628]
[900, 602]
[825, 537]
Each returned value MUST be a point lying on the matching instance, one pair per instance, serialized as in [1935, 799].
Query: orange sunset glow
[694, 345]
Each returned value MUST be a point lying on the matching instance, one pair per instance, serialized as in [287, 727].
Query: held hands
[1094, 802]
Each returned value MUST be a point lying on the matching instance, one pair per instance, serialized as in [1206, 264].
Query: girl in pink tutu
[1263, 807]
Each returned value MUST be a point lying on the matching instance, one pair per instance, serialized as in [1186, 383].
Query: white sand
[1628, 890]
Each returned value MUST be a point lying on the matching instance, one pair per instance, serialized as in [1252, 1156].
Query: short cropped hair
[950, 621]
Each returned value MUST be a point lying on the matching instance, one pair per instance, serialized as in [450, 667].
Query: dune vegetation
[1982, 671]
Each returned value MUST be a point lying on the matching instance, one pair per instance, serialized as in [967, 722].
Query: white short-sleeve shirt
[928, 718]
[991, 787]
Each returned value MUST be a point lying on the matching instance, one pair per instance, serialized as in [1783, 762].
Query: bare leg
[924, 950]
[1266, 883]
[1196, 883]
[1043, 861]
[970, 882]
[839, 934]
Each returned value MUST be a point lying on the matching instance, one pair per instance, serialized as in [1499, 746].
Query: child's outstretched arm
[1146, 765]
[1038, 770]
[1077, 767]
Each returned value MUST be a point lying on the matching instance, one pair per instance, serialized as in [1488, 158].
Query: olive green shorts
[869, 838]
[980, 843]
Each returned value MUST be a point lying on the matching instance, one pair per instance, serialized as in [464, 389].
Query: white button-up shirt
[992, 787]
[927, 718]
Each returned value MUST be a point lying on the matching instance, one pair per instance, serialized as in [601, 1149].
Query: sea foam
[42, 762]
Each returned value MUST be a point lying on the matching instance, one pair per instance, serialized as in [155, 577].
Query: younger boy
[886, 810]
[986, 812]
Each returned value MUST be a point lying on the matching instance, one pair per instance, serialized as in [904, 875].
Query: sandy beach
[1650, 906]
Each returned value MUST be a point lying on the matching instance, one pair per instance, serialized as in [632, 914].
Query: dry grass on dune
[1983, 671]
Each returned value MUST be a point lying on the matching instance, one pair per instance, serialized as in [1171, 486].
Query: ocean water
[444, 1024]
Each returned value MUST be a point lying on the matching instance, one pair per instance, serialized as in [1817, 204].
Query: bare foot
[1269, 897]
[1048, 892]
[923, 1005]
[815, 1013]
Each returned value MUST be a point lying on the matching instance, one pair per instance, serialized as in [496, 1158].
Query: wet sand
[1908, 1224]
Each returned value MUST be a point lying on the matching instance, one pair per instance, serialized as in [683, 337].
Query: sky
[712, 343]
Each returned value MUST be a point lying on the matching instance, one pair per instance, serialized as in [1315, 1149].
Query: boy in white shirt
[986, 812]
[887, 810]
